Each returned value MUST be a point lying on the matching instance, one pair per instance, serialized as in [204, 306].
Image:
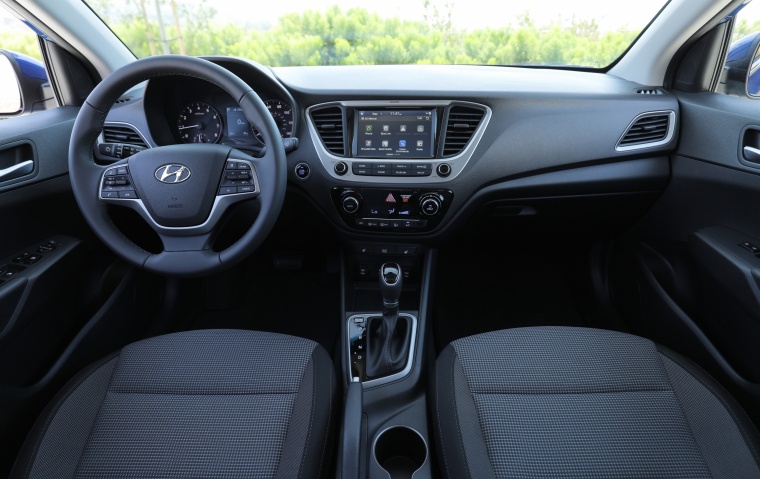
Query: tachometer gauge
[199, 123]
[283, 116]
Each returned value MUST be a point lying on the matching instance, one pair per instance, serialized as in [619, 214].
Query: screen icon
[369, 127]
[368, 143]
[403, 128]
[385, 143]
[402, 143]
[386, 128]
[420, 128]
[420, 143]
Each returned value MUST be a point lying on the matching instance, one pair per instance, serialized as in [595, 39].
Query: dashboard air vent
[650, 91]
[460, 126]
[645, 130]
[330, 126]
[122, 134]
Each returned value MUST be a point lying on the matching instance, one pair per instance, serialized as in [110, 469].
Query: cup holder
[400, 450]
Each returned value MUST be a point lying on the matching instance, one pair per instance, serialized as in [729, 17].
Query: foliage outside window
[345, 35]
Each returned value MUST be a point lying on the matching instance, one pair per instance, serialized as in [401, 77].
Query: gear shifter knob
[390, 285]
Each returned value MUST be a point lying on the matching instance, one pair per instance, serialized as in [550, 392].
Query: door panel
[49, 262]
[687, 275]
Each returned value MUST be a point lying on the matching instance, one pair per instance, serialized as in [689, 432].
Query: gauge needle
[186, 127]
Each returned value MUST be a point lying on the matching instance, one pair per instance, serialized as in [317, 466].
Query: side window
[741, 72]
[24, 84]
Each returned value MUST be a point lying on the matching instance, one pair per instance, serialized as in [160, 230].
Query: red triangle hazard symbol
[390, 198]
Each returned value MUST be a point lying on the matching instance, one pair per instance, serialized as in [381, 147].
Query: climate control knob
[430, 204]
[351, 202]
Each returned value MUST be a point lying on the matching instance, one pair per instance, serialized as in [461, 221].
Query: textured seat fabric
[558, 402]
[211, 404]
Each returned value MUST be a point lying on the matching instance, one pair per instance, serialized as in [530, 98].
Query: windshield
[590, 33]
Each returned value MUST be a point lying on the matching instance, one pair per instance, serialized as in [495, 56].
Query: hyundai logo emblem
[173, 173]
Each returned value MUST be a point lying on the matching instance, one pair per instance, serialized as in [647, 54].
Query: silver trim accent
[12, 169]
[221, 203]
[351, 327]
[750, 154]
[669, 136]
[457, 163]
[178, 175]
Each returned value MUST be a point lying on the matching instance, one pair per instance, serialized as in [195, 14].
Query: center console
[391, 164]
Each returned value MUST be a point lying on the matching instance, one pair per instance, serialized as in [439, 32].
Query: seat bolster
[725, 435]
[459, 437]
[309, 441]
[58, 438]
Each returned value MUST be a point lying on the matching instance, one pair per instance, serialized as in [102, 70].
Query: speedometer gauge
[283, 118]
[199, 123]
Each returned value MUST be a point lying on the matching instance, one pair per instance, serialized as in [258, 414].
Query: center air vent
[649, 129]
[461, 124]
[329, 123]
[122, 134]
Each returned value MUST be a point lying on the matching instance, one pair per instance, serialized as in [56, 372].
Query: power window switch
[32, 258]
[20, 258]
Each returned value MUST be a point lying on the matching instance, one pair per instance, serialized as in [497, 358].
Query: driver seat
[210, 403]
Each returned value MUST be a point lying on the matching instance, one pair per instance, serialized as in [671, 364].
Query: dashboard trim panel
[456, 163]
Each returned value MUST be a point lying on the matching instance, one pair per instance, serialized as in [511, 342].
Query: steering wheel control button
[117, 184]
[302, 171]
[444, 170]
[237, 178]
[341, 168]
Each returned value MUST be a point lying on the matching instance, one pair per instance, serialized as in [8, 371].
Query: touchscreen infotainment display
[394, 133]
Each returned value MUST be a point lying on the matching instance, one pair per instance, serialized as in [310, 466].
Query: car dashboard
[415, 153]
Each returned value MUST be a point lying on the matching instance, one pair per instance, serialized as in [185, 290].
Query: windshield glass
[583, 33]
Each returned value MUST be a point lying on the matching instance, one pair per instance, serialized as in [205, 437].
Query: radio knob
[351, 203]
[430, 205]
[341, 168]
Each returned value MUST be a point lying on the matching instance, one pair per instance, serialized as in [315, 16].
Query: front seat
[211, 404]
[559, 402]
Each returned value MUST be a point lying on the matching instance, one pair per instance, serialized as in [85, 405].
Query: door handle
[17, 171]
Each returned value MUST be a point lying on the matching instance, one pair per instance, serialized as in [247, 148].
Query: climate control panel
[391, 210]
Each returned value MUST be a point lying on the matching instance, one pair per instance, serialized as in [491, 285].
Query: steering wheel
[181, 191]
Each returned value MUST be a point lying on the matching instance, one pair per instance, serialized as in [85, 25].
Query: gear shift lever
[390, 287]
[388, 336]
